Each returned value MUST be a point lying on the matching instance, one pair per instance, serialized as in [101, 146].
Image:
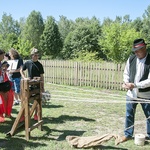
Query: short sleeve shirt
[17, 74]
[35, 69]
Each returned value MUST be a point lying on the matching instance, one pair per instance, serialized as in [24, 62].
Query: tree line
[83, 39]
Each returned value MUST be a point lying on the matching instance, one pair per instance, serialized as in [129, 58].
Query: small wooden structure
[31, 92]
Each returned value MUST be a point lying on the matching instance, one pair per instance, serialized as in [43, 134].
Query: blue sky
[73, 9]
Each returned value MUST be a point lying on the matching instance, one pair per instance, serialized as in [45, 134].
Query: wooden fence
[102, 75]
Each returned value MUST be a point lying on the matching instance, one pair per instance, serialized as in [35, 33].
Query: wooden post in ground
[31, 92]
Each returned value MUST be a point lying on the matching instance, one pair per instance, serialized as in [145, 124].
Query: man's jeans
[130, 116]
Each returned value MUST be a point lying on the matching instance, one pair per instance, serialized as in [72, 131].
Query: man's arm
[126, 84]
[145, 83]
[22, 73]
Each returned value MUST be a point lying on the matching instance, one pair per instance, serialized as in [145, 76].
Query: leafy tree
[137, 24]
[9, 31]
[126, 19]
[87, 56]
[107, 21]
[51, 42]
[83, 39]
[67, 51]
[23, 47]
[22, 23]
[33, 28]
[146, 26]
[64, 26]
[116, 41]
[118, 19]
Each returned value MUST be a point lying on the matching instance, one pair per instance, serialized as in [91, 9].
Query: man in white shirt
[136, 79]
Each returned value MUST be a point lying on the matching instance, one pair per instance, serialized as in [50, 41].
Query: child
[5, 90]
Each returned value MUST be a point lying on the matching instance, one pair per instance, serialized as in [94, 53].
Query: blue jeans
[16, 84]
[130, 116]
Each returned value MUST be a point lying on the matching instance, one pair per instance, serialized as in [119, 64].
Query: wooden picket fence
[101, 75]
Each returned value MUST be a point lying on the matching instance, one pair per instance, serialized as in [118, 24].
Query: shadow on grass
[51, 134]
[108, 147]
[52, 106]
[58, 135]
[63, 118]
[6, 126]
[15, 142]
[147, 142]
[20, 144]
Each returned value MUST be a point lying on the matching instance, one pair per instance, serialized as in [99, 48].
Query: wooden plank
[35, 125]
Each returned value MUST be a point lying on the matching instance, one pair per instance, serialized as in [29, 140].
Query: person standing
[8, 97]
[136, 79]
[35, 69]
[6, 59]
[2, 53]
[14, 74]
[6, 94]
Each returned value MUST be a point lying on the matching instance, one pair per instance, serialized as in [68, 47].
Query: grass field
[81, 111]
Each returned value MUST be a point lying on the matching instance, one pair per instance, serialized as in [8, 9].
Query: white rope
[136, 124]
[85, 90]
[109, 101]
[115, 96]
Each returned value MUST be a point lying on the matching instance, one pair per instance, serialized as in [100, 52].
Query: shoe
[35, 117]
[121, 140]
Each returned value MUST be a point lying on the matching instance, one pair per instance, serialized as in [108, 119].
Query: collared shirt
[139, 84]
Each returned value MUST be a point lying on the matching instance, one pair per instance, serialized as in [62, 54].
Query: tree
[23, 47]
[64, 26]
[116, 41]
[33, 29]
[51, 42]
[146, 26]
[84, 38]
[9, 32]
[126, 19]
[137, 24]
[107, 21]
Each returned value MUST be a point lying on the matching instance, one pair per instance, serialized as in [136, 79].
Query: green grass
[81, 111]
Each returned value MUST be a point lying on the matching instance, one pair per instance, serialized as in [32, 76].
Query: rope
[136, 124]
[133, 100]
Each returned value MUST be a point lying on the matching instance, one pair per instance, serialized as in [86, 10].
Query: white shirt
[142, 84]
